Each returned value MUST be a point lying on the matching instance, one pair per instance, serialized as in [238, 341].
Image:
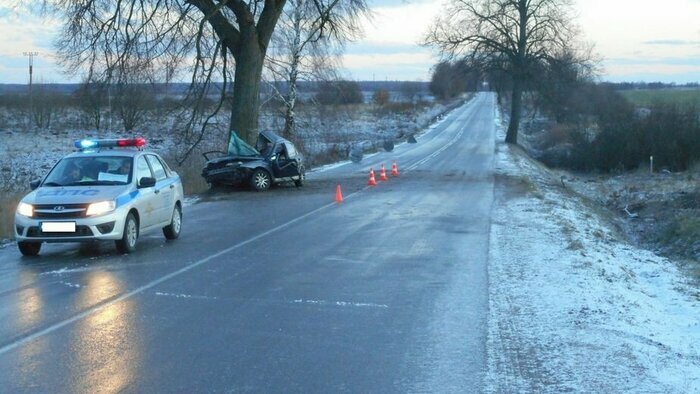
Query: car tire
[129, 236]
[302, 177]
[260, 180]
[172, 231]
[29, 248]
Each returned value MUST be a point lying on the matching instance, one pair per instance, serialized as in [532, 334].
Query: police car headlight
[100, 208]
[25, 209]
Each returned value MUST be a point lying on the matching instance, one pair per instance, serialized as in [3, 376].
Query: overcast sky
[638, 40]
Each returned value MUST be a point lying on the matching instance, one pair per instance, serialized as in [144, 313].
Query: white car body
[60, 213]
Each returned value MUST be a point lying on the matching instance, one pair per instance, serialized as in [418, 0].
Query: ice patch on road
[66, 270]
[573, 307]
[340, 303]
[191, 200]
[196, 297]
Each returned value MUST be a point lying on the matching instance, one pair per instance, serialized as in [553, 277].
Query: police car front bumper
[104, 227]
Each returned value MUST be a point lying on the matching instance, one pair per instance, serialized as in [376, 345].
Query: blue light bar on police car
[86, 144]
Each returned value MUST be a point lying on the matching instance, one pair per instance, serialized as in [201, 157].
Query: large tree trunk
[246, 89]
[515, 109]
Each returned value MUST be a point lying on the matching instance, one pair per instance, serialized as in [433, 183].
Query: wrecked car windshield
[238, 147]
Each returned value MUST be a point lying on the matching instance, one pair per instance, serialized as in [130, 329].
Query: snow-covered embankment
[573, 306]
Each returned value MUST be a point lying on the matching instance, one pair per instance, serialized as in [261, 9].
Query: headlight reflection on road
[30, 305]
[106, 343]
[30, 310]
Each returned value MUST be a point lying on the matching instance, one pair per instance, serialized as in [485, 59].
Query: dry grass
[667, 96]
[190, 173]
[8, 205]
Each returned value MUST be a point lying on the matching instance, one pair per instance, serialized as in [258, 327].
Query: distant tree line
[449, 79]
[652, 85]
[339, 92]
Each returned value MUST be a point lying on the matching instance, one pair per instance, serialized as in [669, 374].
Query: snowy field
[573, 306]
[29, 154]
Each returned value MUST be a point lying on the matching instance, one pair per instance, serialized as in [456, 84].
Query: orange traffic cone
[338, 195]
[394, 169]
[382, 174]
[371, 182]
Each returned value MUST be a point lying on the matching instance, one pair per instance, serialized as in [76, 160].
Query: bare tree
[91, 98]
[563, 78]
[133, 101]
[46, 103]
[411, 91]
[300, 47]
[511, 35]
[99, 36]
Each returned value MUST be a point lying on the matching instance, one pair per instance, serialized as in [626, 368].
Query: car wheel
[172, 231]
[302, 177]
[261, 180]
[29, 248]
[131, 233]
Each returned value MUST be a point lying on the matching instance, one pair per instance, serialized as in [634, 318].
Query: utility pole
[31, 56]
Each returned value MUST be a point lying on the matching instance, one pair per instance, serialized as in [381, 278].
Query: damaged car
[272, 160]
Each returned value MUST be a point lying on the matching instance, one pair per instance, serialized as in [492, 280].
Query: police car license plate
[58, 227]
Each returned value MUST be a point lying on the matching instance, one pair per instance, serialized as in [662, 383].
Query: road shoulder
[572, 305]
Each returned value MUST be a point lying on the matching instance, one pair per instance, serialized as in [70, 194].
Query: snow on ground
[574, 307]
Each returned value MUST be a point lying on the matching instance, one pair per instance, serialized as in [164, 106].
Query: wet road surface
[277, 291]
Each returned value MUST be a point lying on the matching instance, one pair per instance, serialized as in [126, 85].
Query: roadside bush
[92, 100]
[14, 100]
[339, 93]
[671, 134]
[132, 102]
[381, 97]
[45, 104]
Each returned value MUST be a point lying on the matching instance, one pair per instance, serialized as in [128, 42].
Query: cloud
[671, 42]
[397, 66]
[692, 61]
[362, 48]
[399, 3]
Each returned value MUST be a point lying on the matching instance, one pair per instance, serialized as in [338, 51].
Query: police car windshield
[87, 171]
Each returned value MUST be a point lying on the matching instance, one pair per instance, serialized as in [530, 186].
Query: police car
[101, 192]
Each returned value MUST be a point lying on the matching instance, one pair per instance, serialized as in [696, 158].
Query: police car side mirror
[147, 182]
[34, 184]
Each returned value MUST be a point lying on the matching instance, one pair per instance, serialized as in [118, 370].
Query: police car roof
[107, 152]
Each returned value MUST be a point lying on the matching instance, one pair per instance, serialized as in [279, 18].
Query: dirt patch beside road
[659, 211]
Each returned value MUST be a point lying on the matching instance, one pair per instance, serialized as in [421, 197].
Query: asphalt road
[282, 291]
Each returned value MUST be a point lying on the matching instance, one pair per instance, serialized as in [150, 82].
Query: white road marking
[443, 148]
[344, 260]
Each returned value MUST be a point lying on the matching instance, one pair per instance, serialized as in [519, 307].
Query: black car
[273, 160]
